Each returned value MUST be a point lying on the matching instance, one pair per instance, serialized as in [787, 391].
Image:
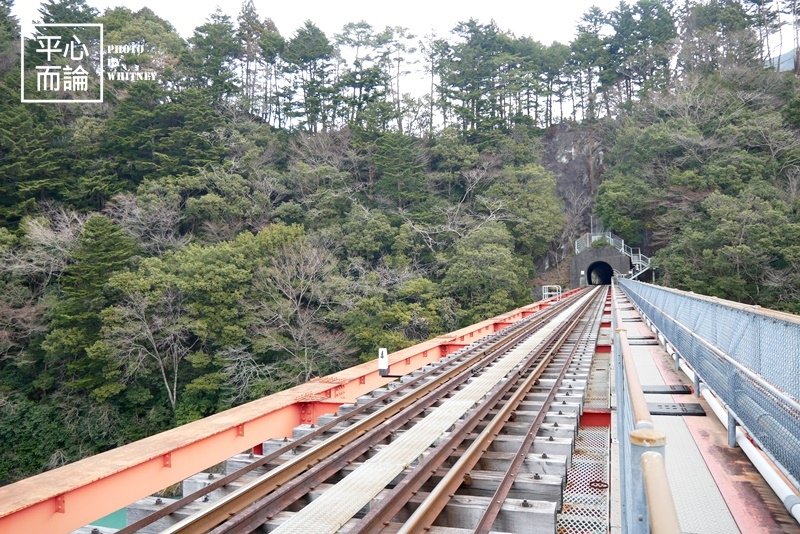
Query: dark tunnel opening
[599, 273]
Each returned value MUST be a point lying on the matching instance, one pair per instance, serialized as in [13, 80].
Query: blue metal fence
[634, 511]
[749, 357]
[646, 499]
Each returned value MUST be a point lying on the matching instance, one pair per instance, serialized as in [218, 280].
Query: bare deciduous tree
[243, 372]
[325, 148]
[18, 324]
[481, 175]
[155, 223]
[577, 205]
[767, 133]
[57, 459]
[47, 244]
[151, 333]
[458, 221]
[293, 319]
[792, 187]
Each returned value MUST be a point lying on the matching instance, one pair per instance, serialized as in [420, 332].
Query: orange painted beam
[74, 495]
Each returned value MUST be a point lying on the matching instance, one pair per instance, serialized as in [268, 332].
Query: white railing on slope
[640, 262]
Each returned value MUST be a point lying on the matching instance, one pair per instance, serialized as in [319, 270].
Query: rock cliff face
[574, 153]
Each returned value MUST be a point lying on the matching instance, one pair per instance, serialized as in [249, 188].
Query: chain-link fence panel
[749, 357]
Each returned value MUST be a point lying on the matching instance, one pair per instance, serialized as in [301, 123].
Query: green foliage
[178, 312]
[718, 35]
[9, 32]
[529, 194]
[369, 235]
[710, 187]
[276, 208]
[28, 424]
[208, 61]
[121, 25]
[622, 203]
[308, 55]
[155, 135]
[399, 164]
[102, 249]
[791, 112]
[484, 275]
[67, 11]
[737, 249]
[33, 158]
[415, 312]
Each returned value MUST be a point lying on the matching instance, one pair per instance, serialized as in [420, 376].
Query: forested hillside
[276, 207]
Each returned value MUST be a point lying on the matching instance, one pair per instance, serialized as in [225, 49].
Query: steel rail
[381, 512]
[262, 510]
[319, 431]
[424, 516]
[234, 503]
[501, 493]
[255, 514]
[290, 446]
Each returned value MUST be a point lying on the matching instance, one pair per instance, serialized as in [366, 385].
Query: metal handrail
[648, 505]
[756, 380]
[660, 504]
[641, 414]
[744, 361]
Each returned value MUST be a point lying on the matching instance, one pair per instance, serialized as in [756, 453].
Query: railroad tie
[329, 512]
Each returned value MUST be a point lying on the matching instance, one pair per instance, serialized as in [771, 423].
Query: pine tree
[67, 11]
[308, 55]
[148, 137]
[213, 48]
[31, 160]
[103, 249]
[249, 32]
[400, 166]
[9, 29]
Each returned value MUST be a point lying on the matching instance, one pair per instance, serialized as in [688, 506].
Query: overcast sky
[544, 20]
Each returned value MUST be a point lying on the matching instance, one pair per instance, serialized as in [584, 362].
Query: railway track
[480, 440]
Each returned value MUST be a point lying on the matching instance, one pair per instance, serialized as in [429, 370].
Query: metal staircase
[640, 262]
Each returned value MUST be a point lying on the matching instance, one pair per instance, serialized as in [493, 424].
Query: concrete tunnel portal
[596, 266]
[599, 273]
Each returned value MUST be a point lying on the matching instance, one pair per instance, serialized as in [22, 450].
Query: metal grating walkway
[586, 496]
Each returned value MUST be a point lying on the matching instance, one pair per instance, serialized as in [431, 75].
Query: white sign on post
[383, 361]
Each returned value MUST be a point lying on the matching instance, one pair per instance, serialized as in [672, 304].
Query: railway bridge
[625, 407]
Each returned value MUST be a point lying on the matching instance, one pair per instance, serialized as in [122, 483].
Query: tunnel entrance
[599, 273]
[597, 265]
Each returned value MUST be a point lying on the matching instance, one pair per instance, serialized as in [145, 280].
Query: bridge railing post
[624, 422]
[662, 514]
[643, 441]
